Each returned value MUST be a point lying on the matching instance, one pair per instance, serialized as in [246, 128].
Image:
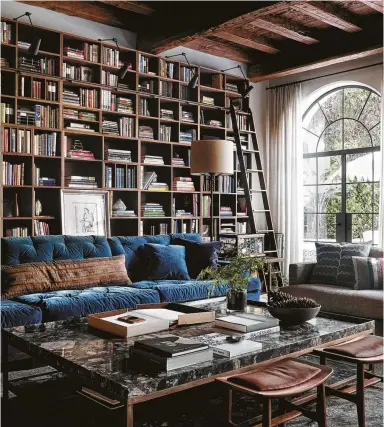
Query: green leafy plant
[236, 273]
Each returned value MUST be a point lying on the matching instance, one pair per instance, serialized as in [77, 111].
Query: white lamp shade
[212, 156]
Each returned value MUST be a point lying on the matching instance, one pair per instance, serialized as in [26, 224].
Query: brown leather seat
[286, 377]
[364, 348]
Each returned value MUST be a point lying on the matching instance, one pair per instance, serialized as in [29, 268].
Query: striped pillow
[30, 278]
[368, 272]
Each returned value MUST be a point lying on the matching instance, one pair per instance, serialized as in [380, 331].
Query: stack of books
[183, 183]
[152, 209]
[183, 212]
[40, 65]
[43, 181]
[4, 63]
[26, 116]
[74, 53]
[13, 174]
[207, 100]
[232, 87]
[75, 181]
[122, 214]
[170, 352]
[71, 97]
[152, 160]
[70, 113]
[77, 72]
[226, 211]
[165, 133]
[79, 126]
[188, 135]
[227, 228]
[177, 161]
[80, 154]
[108, 78]
[166, 114]
[158, 186]
[146, 132]
[110, 127]
[187, 116]
[216, 123]
[118, 155]
[125, 105]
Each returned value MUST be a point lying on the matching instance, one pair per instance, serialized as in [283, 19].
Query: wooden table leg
[5, 366]
[360, 395]
[321, 408]
[267, 413]
[129, 415]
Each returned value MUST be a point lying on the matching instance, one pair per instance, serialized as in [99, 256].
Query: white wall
[68, 24]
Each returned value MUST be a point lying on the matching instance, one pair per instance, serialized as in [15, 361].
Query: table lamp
[212, 157]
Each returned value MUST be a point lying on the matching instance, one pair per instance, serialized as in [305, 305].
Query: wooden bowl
[293, 316]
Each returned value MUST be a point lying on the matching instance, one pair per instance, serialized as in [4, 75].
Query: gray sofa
[336, 299]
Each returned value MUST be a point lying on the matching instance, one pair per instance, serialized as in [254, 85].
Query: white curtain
[285, 169]
[381, 207]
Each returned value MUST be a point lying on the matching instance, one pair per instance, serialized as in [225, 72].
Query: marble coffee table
[101, 361]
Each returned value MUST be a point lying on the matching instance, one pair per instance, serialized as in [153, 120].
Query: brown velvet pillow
[29, 278]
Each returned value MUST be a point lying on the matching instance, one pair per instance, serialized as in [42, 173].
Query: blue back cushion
[195, 237]
[20, 250]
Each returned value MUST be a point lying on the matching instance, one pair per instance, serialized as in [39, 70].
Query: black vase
[237, 300]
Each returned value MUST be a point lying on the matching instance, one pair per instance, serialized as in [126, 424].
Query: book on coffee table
[244, 322]
[233, 349]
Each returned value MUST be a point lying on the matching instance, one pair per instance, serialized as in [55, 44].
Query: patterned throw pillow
[334, 263]
[368, 272]
[30, 278]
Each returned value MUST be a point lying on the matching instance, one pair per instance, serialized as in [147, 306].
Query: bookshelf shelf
[164, 74]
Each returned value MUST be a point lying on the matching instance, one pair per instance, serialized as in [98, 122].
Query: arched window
[341, 137]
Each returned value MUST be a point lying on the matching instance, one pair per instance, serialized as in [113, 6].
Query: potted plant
[236, 275]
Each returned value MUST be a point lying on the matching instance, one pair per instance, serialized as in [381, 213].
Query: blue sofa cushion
[16, 250]
[199, 255]
[61, 305]
[129, 246]
[15, 313]
[181, 290]
[165, 262]
[144, 284]
[194, 237]
[254, 285]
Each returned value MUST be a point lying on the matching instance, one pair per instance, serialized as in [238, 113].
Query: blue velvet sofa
[63, 304]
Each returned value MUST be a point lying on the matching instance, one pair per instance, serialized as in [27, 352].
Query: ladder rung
[253, 171]
[265, 231]
[251, 151]
[270, 252]
[257, 191]
[261, 210]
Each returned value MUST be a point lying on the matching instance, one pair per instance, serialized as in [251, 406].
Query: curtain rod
[325, 75]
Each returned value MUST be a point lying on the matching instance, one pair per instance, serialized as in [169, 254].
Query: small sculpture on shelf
[119, 205]
[38, 207]
[119, 209]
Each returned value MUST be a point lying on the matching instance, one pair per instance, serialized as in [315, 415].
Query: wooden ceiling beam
[284, 28]
[81, 9]
[375, 5]
[132, 6]
[256, 75]
[213, 47]
[328, 13]
[257, 43]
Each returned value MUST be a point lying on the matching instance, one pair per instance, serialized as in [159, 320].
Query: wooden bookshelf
[169, 93]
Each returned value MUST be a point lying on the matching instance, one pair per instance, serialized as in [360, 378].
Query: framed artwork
[85, 212]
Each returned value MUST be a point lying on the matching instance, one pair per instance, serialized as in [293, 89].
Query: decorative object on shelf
[38, 208]
[85, 212]
[16, 210]
[119, 205]
[35, 45]
[195, 78]
[245, 88]
[8, 208]
[212, 157]
[290, 309]
[236, 274]
[251, 244]
[126, 66]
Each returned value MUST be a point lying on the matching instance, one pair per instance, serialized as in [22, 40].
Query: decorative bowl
[293, 316]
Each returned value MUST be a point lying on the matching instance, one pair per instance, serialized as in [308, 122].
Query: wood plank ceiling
[275, 38]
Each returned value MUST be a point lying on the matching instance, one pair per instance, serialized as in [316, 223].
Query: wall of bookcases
[68, 122]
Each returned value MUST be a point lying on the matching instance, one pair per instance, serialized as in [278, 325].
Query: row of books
[144, 64]
[39, 116]
[6, 33]
[183, 183]
[165, 133]
[166, 88]
[41, 228]
[123, 127]
[206, 206]
[78, 181]
[70, 113]
[186, 226]
[146, 86]
[78, 72]
[50, 89]
[152, 160]
[17, 232]
[38, 65]
[6, 112]
[16, 140]
[241, 120]
[109, 79]
[232, 87]
[118, 155]
[13, 174]
[144, 107]
[110, 56]
[188, 208]
[83, 97]
[43, 181]
[120, 177]
[186, 74]
[89, 52]
[152, 210]
[153, 229]
[112, 102]
[167, 69]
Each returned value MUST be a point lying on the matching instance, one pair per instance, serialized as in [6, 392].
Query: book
[169, 363]
[246, 322]
[170, 346]
[234, 349]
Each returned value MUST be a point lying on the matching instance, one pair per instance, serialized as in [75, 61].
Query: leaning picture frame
[85, 212]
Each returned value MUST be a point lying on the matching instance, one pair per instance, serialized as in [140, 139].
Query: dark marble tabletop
[103, 360]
